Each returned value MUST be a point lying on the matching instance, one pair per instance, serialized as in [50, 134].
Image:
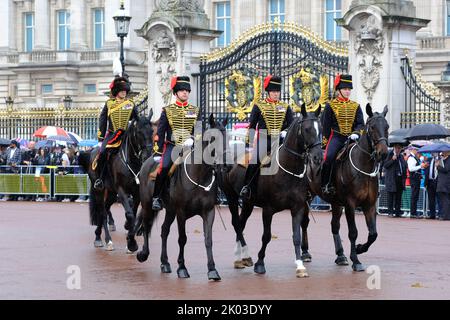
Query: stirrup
[328, 189]
[245, 192]
[156, 204]
[98, 184]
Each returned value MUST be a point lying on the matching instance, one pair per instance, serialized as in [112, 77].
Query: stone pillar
[381, 32]
[78, 23]
[41, 25]
[178, 34]
[7, 22]
[444, 87]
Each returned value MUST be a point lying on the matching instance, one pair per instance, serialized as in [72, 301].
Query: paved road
[40, 241]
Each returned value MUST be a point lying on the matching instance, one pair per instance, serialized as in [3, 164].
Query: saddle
[344, 152]
[152, 175]
[245, 158]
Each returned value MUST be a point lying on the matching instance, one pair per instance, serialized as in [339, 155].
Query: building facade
[57, 48]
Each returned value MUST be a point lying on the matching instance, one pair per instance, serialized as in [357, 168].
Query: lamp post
[9, 103]
[122, 24]
[67, 102]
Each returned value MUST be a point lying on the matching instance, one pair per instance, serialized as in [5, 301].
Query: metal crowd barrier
[422, 203]
[44, 180]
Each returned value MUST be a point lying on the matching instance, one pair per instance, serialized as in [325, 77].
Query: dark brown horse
[123, 171]
[286, 189]
[356, 181]
[192, 191]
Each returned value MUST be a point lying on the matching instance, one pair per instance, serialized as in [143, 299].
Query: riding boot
[327, 186]
[159, 185]
[250, 181]
[100, 170]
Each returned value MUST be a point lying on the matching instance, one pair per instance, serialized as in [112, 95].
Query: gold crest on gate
[307, 88]
[239, 93]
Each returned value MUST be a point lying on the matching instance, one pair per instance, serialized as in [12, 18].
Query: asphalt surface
[45, 246]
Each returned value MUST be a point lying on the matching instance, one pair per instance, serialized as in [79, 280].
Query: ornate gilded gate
[271, 48]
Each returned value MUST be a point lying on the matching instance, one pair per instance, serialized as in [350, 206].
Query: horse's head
[218, 139]
[141, 136]
[377, 130]
[310, 130]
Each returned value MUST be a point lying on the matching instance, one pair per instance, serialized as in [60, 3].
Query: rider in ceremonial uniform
[113, 123]
[342, 120]
[272, 117]
[175, 128]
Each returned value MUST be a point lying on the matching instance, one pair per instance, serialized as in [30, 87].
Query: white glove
[188, 143]
[157, 158]
[99, 144]
[283, 134]
[354, 137]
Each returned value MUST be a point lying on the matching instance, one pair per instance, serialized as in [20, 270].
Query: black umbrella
[398, 137]
[427, 131]
[4, 142]
[436, 147]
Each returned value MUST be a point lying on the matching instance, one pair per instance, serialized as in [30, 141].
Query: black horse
[286, 189]
[192, 191]
[122, 180]
[356, 181]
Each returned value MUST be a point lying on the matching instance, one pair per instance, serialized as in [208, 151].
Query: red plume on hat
[173, 82]
[267, 80]
[111, 85]
[337, 80]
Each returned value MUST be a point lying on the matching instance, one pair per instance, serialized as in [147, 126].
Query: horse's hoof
[213, 275]
[112, 227]
[165, 268]
[109, 246]
[360, 249]
[248, 262]
[358, 267]
[98, 243]
[239, 264]
[341, 261]
[141, 256]
[183, 273]
[132, 245]
[259, 268]
[301, 273]
[306, 257]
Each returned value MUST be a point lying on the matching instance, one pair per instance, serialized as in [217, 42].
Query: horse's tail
[139, 225]
[93, 207]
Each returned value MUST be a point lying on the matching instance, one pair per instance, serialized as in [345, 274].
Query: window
[63, 30]
[223, 23]
[29, 32]
[47, 89]
[99, 28]
[90, 88]
[333, 10]
[276, 9]
[448, 18]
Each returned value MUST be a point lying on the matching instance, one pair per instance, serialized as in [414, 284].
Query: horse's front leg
[144, 221]
[297, 217]
[233, 206]
[371, 222]
[247, 210]
[306, 256]
[132, 245]
[182, 239]
[341, 259]
[165, 229]
[208, 221]
[108, 203]
[267, 236]
[352, 235]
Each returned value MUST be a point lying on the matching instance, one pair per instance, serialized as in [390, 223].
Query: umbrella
[60, 138]
[4, 142]
[399, 133]
[44, 143]
[436, 147]
[88, 143]
[398, 137]
[48, 131]
[76, 138]
[427, 131]
[22, 142]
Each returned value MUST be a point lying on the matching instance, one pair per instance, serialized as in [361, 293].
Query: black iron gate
[271, 48]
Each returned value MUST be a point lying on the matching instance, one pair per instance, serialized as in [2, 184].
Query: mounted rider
[272, 117]
[113, 123]
[175, 128]
[342, 120]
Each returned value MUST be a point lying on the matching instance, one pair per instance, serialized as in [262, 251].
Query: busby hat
[180, 83]
[119, 84]
[272, 83]
[343, 81]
